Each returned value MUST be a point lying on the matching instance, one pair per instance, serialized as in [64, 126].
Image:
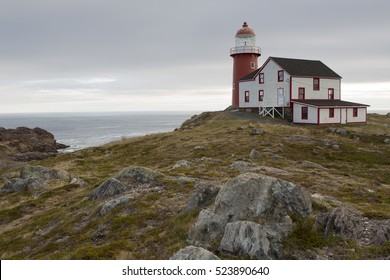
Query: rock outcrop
[194, 253]
[34, 178]
[351, 224]
[25, 144]
[250, 216]
[109, 188]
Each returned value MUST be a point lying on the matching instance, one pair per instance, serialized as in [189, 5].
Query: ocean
[82, 130]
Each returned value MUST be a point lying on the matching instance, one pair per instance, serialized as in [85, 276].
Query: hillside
[56, 212]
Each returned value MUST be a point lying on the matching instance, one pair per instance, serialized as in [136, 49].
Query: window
[247, 96]
[280, 76]
[261, 95]
[316, 83]
[253, 65]
[331, 93]
[304, 113]
[355, 112]
[301, 93]
[261, 78]
[331, 112]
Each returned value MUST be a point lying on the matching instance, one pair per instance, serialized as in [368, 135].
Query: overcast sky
[125, 55]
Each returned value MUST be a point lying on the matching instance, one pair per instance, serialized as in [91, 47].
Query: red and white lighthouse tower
[245, 55]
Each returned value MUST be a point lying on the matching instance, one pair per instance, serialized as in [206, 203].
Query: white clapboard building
[308, 89]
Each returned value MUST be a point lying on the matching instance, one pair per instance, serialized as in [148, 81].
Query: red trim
[246, 96]
[331, 113]
[261, 77]
[291, 104]
[318, 115]
[261, 95]
[307, 113]
[316, 87]
[303, 93]
[355, 112]
[281, 76]
[331, 93]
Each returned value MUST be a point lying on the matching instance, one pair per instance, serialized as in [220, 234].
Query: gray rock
[243, 238]
[202, 197]
[386, 141]
[78, 181]
[108, 188]
[19, 185]
[207, 230]
[194, 253]
[255, 154]
[181, 163]
[43, 173]
[257, 131]
[353, 225]
[111, 204]
[137, 174]
[300, 138]
[252, 196]
[243, 165]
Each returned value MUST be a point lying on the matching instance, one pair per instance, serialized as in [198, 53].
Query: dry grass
[151, 227]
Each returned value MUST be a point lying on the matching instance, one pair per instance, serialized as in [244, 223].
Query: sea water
[82, 130]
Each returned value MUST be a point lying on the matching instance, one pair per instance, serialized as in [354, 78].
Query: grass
[151, 226]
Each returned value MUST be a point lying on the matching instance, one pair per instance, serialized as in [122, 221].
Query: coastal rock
[254, 154]
[111, 204]
[19, 185]
[252, 196]
[257, 131]
[181, 163]
[202, 197]
[43, 173]
[25, 144]
[243, 165]
[194, 253]
[243, 238]
[108, 188]
[353, 225]
[137, 174]
[207, 230]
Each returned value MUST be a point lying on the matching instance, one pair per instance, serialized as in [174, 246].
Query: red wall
[241, 67]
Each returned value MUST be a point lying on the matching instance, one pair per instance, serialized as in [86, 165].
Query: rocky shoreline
[26, 144]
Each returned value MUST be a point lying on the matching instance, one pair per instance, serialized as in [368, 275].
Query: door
[343, 115]
[280, 96]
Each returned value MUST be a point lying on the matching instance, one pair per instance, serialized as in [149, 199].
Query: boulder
[43, 173]
[194, 253]
[207, 230]
[243, 165]
[181, 163]
[111, 204]
[252, 196]
[257, 131]
[137, 174]
[108, 188]
[351, 224]
[253, 199]
[19, 185]
[202, 197]
[254, 154]
[243, 238]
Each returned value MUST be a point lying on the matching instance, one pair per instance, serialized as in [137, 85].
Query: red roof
[245, 30]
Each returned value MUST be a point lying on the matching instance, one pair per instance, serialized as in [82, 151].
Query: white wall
[270, 87]
[324, 116]
[361, 117]
[307, 83]
[312, 114]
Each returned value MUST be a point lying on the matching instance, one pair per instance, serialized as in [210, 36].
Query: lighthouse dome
[245, 31]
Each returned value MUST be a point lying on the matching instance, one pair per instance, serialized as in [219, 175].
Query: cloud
[118, 48]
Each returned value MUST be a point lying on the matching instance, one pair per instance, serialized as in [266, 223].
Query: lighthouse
[244, 55]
